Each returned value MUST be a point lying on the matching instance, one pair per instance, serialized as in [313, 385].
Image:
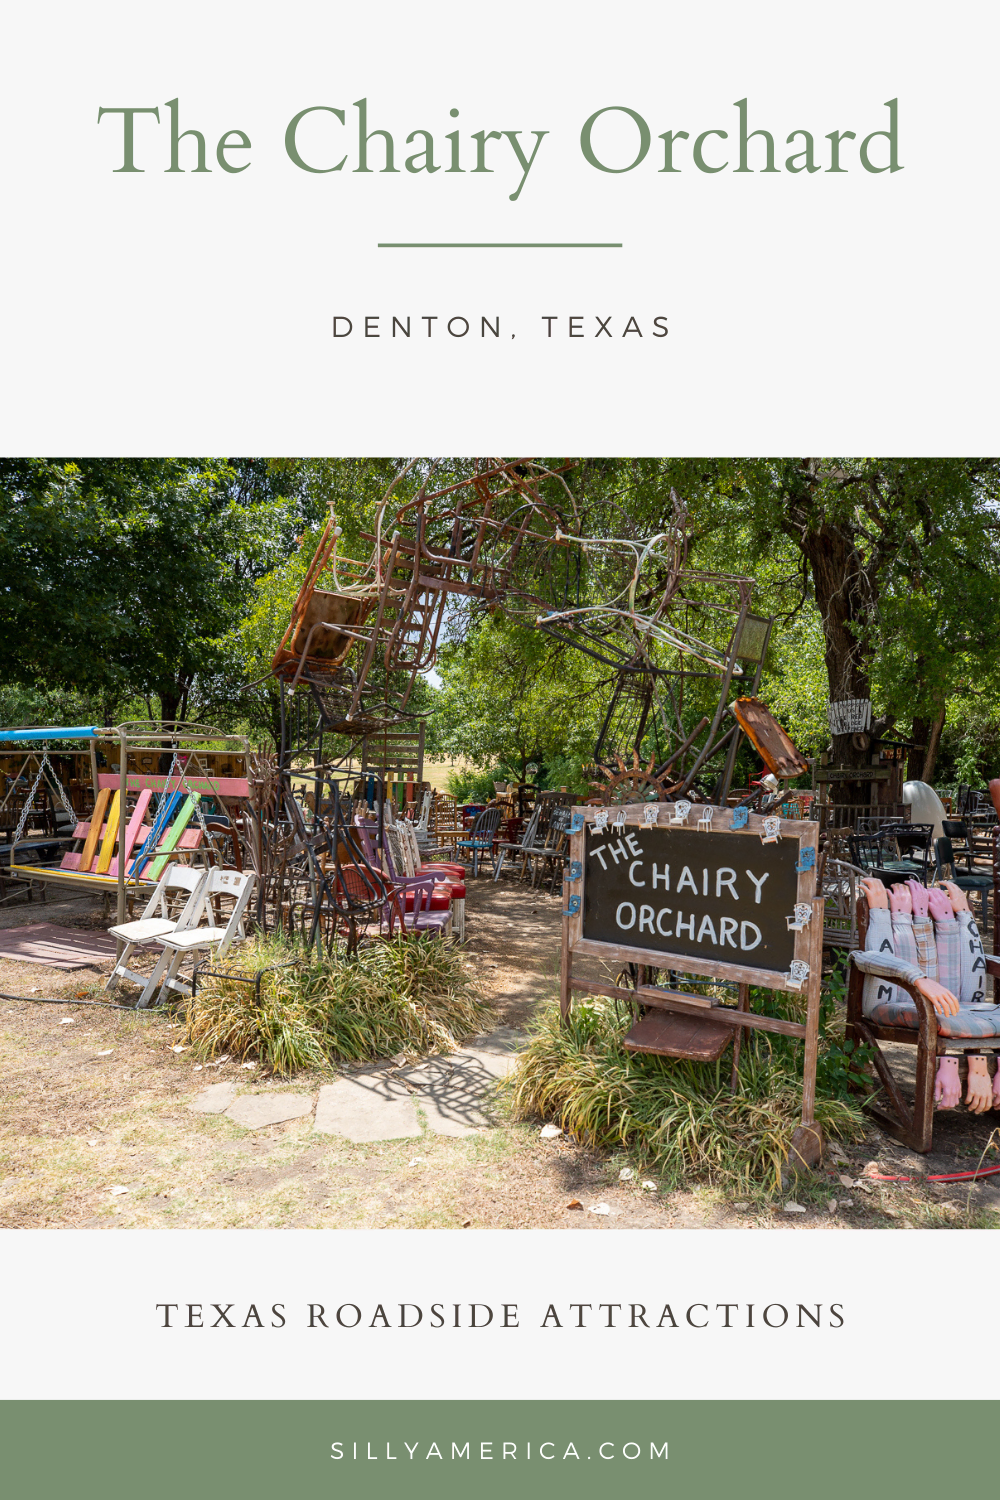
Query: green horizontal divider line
[499, 245]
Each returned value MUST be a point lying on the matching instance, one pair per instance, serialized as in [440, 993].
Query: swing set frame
[175, 738]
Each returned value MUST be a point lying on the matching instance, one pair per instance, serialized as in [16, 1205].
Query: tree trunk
[932, 746]
[920, 734]
[843, 598]
[169, 703]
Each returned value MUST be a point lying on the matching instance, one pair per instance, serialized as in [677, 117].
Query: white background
[193, 313]
[80, 1318]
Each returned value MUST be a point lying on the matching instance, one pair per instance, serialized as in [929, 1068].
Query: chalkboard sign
[719, 896]
[698, 894]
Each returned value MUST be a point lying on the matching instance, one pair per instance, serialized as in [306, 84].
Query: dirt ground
[96, 1133]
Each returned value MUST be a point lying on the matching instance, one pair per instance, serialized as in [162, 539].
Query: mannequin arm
[925, 992]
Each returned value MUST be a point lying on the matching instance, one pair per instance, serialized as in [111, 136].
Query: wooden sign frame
[808, 943]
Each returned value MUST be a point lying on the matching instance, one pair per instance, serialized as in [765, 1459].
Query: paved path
[453, 1092]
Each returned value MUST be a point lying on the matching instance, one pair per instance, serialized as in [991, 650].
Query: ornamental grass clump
[678, 1118]
[414, 996]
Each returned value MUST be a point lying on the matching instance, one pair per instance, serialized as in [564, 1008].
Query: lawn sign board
[717, 892]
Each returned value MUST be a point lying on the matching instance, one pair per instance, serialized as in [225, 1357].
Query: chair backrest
[955, 829]
[237, 885]
[487, 822]
[531, 827]
[840, 896]
[425, 812]
[944, 853]
[397, 852]
[178, 877]
[866, 850]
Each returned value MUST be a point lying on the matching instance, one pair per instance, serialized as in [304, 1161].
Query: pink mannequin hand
[875, 893]
[940, 907]
[918, 896]
[958, 899]
[947, 1089]
[978, 1095]
[943, 1001]
[900, 899]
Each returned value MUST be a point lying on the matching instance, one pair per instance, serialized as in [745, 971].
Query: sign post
[717, 892]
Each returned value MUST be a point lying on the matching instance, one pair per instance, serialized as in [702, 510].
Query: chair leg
[922, 1133]
[120, 968]
[146, 998]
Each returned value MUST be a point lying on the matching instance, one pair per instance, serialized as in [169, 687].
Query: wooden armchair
[914, 1127]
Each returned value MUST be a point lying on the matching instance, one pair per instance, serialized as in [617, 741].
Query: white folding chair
[177, 946]
[150, 927]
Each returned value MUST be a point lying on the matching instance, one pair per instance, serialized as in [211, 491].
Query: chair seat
[440, 899]
[968, 1023]
[435, 921]
[142, 930]
[973, 882]
[198, 937]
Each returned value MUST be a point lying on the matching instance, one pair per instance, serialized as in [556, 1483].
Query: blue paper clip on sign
[807, 859]
[575, 870]
[576, 823]
[741, 817]
[574, 907]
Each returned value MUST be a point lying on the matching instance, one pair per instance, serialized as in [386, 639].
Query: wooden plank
[210, 786]
[666, 1000]
[696, 1037]
[850, 773]
[74, 878]
[164, 813]
[133, 829]
[108, 846]
[94, 832]
[172, 839]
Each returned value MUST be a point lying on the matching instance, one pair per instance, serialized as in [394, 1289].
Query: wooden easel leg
[565, 957]
[807, 1141]
[742, 1004]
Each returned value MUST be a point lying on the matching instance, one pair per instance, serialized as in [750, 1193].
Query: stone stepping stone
[215, 1100]
[256, 1110]
[453, 1090]
[367, 1107]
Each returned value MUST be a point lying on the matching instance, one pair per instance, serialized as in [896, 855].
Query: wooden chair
[915, 1127]
[522, 846]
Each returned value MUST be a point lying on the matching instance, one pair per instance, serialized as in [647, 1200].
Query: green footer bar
[694, 1450]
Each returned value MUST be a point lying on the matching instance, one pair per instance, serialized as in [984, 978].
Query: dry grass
[678, 1118]
[415, 996]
